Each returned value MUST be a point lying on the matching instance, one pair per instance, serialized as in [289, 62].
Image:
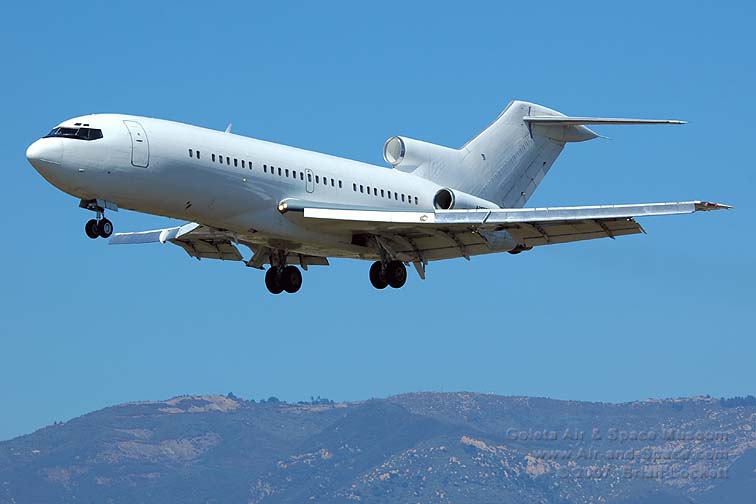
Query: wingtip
[708, 205]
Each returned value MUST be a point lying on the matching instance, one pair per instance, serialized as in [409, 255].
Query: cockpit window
[80, 133]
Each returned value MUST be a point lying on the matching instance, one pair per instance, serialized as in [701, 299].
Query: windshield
[80, 133]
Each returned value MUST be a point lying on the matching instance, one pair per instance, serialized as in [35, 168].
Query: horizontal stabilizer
[578, 121]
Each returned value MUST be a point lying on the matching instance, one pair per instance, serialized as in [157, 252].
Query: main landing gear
[281, 277]
[383, 274]
[286, 278]
[98, 228]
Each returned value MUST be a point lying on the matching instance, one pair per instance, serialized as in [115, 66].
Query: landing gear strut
[392, 273]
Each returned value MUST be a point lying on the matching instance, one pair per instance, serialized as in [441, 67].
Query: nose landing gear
[98, 228]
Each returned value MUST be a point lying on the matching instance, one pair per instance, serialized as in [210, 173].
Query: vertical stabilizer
[505, 162]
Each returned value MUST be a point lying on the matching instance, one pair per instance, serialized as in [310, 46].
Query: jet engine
[406, 154]
[449, 199]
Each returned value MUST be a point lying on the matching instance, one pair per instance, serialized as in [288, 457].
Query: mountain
[413, 448]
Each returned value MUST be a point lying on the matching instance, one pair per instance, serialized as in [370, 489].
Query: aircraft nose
[45, 154]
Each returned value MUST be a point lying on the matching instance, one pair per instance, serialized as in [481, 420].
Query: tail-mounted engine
[449, 199]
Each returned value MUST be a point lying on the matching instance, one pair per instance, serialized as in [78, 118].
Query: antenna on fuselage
[228, 128]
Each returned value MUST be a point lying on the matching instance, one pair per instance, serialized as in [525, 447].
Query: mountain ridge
[413, 447]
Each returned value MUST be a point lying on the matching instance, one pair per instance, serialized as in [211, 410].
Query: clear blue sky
[84, 325]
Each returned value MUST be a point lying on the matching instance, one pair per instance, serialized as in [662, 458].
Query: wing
[205, 242]
[198, 241]
[465, 230]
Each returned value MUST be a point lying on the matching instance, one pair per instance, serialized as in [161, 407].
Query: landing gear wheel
[91, 229]
[291, 279]
[273, 281]
[376, 276]
[104, 228]
[396, 274]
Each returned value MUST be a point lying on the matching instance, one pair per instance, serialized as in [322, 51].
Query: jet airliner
[295, 208]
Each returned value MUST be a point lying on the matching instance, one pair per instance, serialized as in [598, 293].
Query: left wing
[529, 226]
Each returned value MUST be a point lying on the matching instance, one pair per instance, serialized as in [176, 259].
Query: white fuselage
[220, 179]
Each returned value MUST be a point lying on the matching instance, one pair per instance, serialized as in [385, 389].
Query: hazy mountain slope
[423, 447]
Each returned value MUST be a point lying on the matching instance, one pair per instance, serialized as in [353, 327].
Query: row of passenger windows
[285, 172]
[386, 194]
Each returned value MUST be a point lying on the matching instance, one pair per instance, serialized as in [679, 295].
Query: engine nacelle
[407, 154]
[449, 199]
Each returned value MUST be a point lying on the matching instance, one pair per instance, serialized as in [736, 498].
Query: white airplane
[296, 207]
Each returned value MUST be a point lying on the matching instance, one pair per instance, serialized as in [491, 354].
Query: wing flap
[553, 232]
[210, 249]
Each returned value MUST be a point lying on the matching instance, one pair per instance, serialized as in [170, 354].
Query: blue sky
[84, 325]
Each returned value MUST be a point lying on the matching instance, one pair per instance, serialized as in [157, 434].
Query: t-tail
[503, 164]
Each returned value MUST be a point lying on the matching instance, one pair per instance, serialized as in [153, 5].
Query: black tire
[396, 274]
[291, 279]
[104, 228]
[376, 276]
[91, 229]
[272, 281]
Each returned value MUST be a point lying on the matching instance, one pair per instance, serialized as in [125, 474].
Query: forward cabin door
[140, 147]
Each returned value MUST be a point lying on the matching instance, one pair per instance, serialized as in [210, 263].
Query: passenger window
[190, 152]
[362, 189]
[301, 175]
[415, 200]
[287, 173]
[375, 191]
[279, 171]
[213, 156]
[317, 179]
[309, 177]
[396, 196]
[325, 181]
[402, 197]
[333, 183]
[265, 168]
[354, 187]
[244, 165]
[198, 154]
[339, 184]
[236, 163]
[382, 195]
[249, 163]
[228, 161]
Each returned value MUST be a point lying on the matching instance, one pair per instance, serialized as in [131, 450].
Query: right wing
[197, 240]
[205, 242]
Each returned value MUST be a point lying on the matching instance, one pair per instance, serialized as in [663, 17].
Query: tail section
[507, 161]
